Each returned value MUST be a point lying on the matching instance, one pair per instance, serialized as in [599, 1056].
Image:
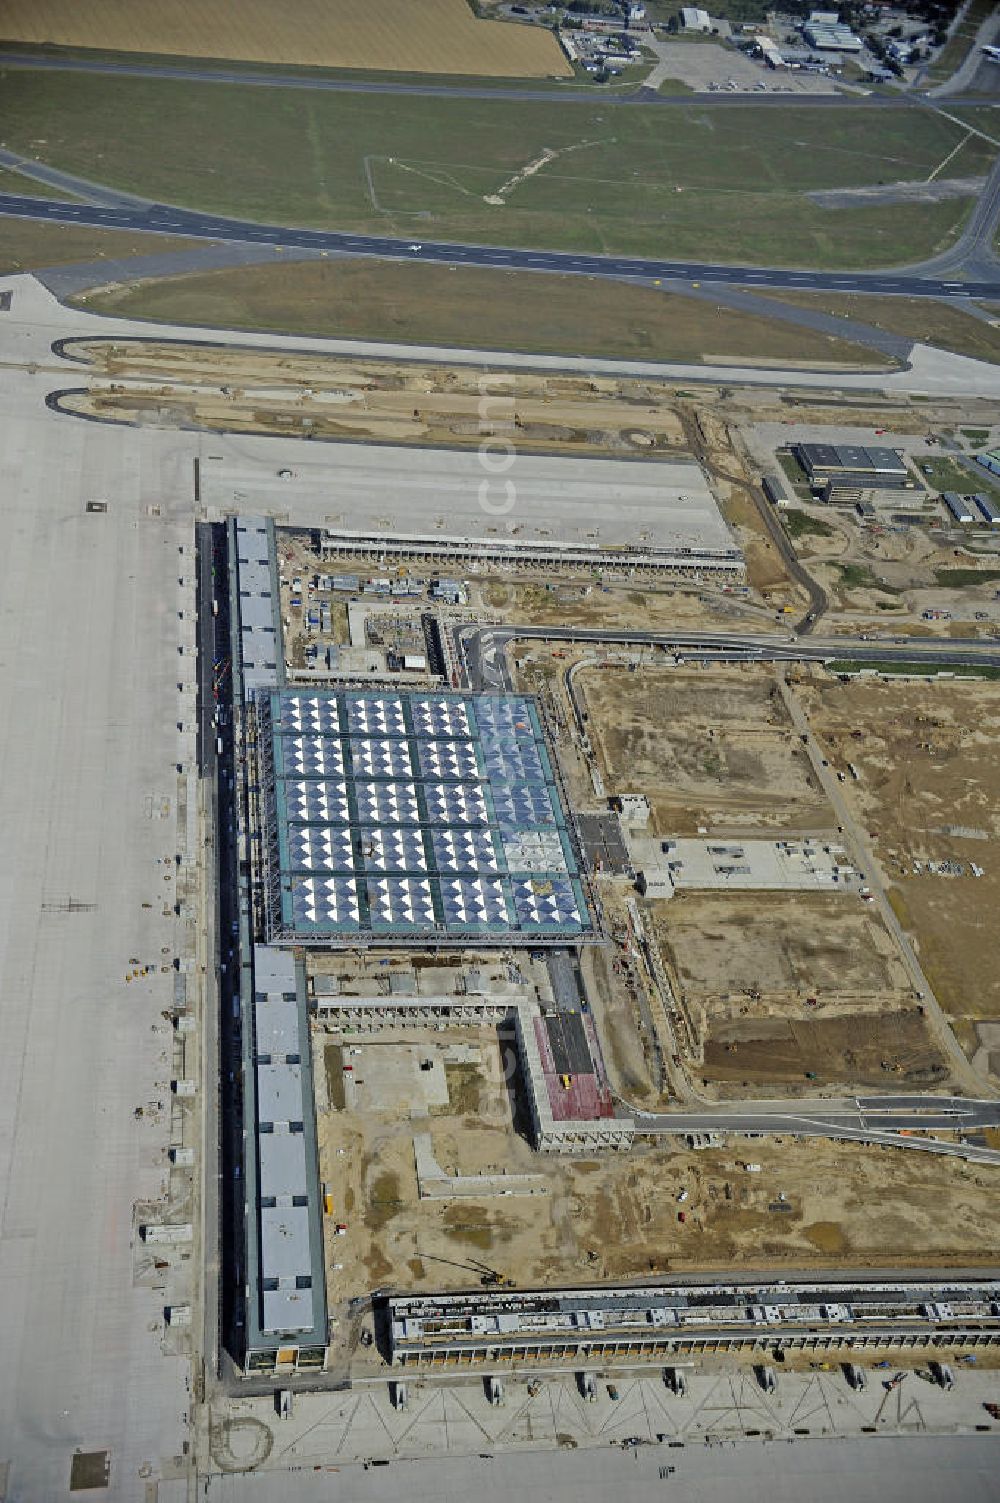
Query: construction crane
[489, 1277]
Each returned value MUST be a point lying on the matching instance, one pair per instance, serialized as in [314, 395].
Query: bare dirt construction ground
[929, 792]
[872, 1049]
[579, 601]
[382, 401]
[616, 1218]
[712, 747]
[436, 36]
[782, 987]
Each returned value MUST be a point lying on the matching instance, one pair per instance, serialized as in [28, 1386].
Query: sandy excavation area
[297, 395]
[811, 1203]
[793, 990]
[711, 747]
[928, 791]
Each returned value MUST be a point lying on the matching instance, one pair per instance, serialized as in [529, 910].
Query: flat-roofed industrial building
[852, 464]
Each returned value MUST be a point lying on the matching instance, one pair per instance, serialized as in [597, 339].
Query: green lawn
[861, 577]
[686, 181]
[27, 187]
[419, 303]
[29, 243]
[952, 475]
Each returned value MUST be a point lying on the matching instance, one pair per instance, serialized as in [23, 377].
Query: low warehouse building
[852, 463]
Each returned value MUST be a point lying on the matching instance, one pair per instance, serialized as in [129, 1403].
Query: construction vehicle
[490, 1278]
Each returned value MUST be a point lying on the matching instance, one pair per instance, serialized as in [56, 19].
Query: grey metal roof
[279, 1093]
[288, 1310]
[282, 1165]
[284, 1242]
[273, 970]
[276, 1026]
[258, 613]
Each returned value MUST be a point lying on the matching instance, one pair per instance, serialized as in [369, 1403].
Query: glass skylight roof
[416, 815]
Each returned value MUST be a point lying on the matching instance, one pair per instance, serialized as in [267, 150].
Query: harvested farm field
[395, 36]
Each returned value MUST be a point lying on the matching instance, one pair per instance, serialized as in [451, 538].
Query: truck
[588, 1387]
[494, 1391]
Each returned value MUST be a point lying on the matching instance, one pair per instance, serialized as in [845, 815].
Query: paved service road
[766, 647]
[162, 219]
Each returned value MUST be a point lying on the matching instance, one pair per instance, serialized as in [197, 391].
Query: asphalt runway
[162, 219]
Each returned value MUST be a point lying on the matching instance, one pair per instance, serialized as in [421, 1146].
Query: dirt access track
[928, 791]
[396, 36]
[711, 747]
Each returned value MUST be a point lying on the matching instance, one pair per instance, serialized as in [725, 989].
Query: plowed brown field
[397, 36]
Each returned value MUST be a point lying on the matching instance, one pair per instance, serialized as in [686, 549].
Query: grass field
[923, 319]
[434, 36]
[26, 245]
[685, 181]
[470, 307]
[951, 475]
[799, 524]
[27, 187]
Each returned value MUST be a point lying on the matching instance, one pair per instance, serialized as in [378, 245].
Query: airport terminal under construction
[366, 825]
[658, 1323]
